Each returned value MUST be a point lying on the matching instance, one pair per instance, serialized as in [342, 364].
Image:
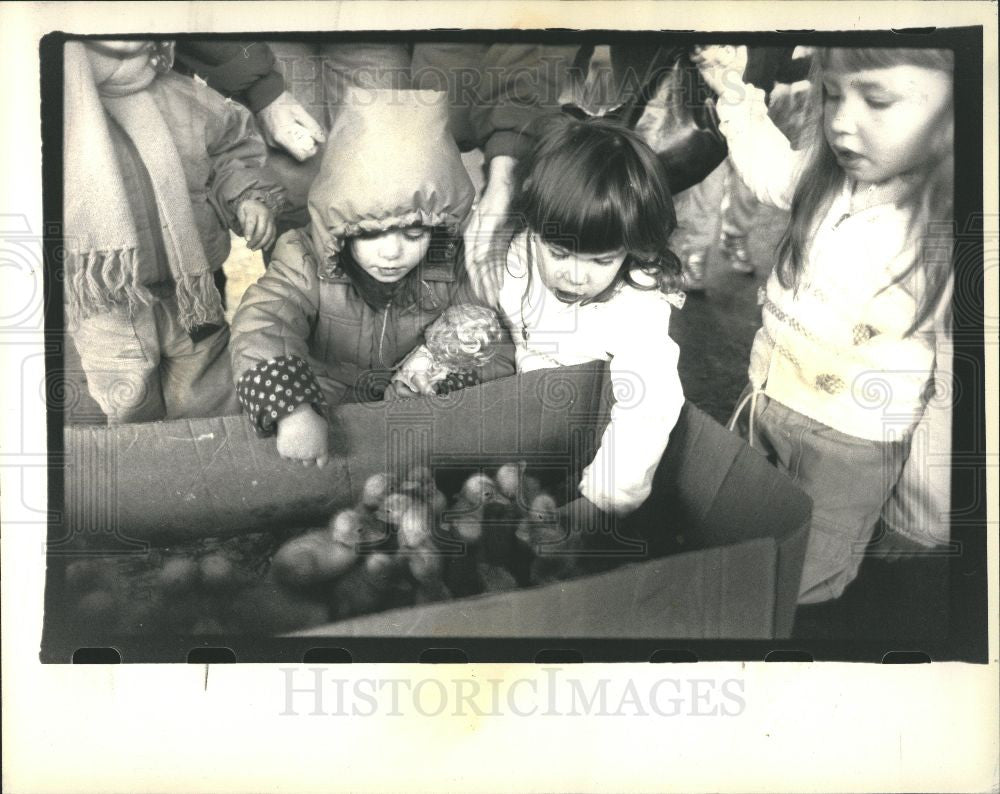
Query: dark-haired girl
[854, 312]
[348, 297]
[589, 276]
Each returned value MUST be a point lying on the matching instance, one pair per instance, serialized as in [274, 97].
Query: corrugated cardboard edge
[725, 592]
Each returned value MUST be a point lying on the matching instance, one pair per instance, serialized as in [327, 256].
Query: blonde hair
[930, 199]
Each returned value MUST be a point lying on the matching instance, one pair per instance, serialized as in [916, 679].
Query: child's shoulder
[636, 304]
[294, 249]
[193, 90]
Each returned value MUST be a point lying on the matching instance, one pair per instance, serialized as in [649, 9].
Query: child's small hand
[257, 221]
[302, 435]
[722, 67]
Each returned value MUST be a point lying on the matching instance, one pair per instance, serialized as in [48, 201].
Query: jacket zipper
[381, 338]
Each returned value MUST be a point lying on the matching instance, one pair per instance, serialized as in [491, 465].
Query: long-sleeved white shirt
[834, 347]
[630, 330]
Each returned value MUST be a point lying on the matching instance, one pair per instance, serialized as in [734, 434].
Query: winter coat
[243, 70]
[496, 89]
[390, 164]
[350, 347]
[222, 154]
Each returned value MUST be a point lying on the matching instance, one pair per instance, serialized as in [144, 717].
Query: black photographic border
[967, 620]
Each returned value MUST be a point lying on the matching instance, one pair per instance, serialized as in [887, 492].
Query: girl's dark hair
[592, 186]
[445, 247]
[930, 199]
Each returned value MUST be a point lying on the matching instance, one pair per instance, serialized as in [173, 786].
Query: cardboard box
[745, 526]
[740, 526]
[729, 592]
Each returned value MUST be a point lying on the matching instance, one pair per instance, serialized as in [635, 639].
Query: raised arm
[762, 156]
[246, 71]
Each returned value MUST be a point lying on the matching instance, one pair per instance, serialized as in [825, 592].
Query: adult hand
[721, 66]
[484, 267]
[302, 436]
[288, 125]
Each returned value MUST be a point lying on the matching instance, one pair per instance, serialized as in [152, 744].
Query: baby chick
[420, 484]
[426, 564]
[517, 485]
[553, 546]
[310, 558]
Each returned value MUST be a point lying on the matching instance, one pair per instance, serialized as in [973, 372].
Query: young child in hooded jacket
[347, 298]
[158, 169]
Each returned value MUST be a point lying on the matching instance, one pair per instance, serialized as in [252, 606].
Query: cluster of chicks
[211, 587]
[404, 543]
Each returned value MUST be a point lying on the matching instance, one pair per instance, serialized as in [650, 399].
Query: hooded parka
[390, 163]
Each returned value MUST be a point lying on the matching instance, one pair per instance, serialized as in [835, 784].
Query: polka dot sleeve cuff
[276, 387]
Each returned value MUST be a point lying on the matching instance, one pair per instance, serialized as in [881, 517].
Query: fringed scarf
[102, 266]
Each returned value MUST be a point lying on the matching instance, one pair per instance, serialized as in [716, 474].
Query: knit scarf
[102, 264]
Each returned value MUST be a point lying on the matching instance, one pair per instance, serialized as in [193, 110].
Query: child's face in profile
[881, 123]
[573, 277]
[388, 256]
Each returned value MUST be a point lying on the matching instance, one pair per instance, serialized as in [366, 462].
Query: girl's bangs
[585, 225]
[589, 208]
[856, 59]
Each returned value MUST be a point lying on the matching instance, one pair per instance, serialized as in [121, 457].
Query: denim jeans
[849, 480]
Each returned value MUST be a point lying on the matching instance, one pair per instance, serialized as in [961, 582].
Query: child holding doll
[347, 298]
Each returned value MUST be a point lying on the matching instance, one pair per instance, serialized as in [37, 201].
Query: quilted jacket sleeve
[243, 70]
[239, 156]
[278, 313]
[521, 82]
[269, 346]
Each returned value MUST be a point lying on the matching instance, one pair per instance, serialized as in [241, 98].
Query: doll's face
[388, 256]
